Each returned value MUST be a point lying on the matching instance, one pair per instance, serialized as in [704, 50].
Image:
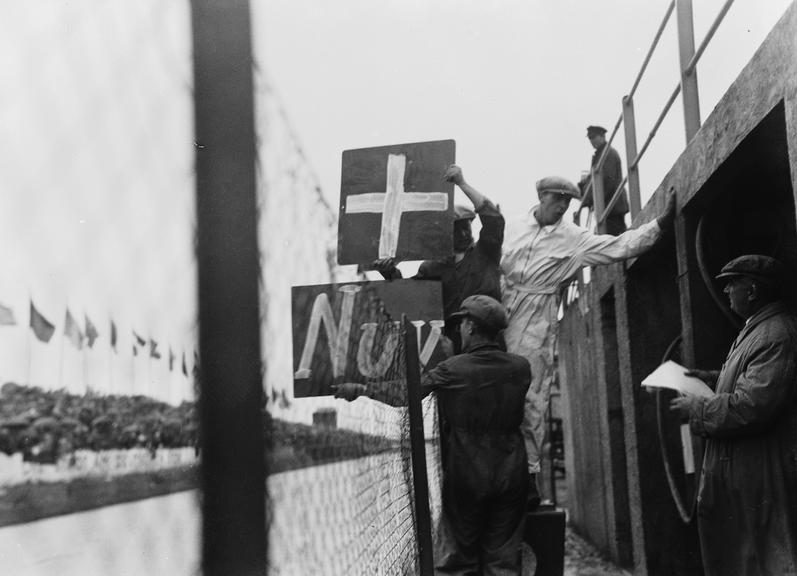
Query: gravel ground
[581, 559]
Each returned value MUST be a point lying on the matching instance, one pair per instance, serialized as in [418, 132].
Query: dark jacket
[481, 393]
[479, 270]
[747, 501]
[612, 177]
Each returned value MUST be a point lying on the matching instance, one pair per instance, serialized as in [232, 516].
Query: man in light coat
[542, 253]
[747, 499]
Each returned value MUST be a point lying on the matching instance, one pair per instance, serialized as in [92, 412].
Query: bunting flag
[91, 332]
[113, 335]
[284, 402]
[41, 327]
[195, 369]
[137, 341]
[171, 359]
[7, 316]
[185, 367]
[153, 349]
[72, 331]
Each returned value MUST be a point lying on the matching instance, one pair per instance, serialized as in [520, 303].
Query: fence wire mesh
[340, 493]
[98, 363]
[341, 489]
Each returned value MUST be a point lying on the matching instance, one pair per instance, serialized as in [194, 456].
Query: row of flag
[43, 329]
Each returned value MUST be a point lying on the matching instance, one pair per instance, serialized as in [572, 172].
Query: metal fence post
[629, 124]
[420, 477]
[233, 471]
[686, 50]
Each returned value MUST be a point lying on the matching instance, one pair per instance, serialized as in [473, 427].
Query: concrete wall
[735, 185]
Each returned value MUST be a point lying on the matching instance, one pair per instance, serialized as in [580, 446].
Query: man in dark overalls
[481, 392]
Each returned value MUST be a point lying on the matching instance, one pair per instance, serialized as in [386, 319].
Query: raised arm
[491, 235]
[454, 174]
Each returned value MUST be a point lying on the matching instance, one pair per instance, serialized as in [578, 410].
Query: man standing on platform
[542, 253]
[612, 177]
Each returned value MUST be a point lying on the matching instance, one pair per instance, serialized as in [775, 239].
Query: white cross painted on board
[393, 203]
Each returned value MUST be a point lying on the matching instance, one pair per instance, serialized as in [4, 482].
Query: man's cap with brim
[756, 266]
[558, 185]
[593, 130]
[488, 311]
[463, 213]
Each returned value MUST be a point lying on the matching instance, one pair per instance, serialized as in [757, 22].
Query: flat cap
[595, 130]
[463, 213]
[559, 185]
[488, 311]
[755, 266]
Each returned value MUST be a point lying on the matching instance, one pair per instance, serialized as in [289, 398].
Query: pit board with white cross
[395, 203]
[351, 332]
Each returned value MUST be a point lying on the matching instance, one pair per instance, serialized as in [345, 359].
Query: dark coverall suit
[481, 393]
[478, 272]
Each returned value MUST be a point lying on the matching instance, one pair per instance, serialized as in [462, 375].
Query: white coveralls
[537, 261]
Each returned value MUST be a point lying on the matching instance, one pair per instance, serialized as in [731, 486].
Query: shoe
[533, 500]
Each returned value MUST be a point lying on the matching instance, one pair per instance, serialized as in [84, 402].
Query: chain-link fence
[353, 514]
[98, 355]
[341, 495]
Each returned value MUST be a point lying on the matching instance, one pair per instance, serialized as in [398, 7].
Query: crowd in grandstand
[46, 425]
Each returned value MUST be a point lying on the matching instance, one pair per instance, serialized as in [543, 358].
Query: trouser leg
[504, 524]
[462, 519]
[455, 555]
[506, 559]
[544, 483]
[536, 409]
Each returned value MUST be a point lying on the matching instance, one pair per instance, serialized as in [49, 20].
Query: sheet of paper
[671, 375]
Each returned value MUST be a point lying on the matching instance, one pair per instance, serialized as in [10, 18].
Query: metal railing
[689, 58]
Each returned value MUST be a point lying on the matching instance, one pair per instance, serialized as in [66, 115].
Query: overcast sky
[514, 82]
[97, 169]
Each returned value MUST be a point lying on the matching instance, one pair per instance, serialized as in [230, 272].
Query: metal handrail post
[629, 123]
[709, 35]
[686, 50]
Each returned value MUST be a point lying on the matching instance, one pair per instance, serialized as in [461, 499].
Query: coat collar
[483, 346]
[533, 223]
[768, 311]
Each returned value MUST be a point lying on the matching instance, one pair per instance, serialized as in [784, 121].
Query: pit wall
[735, 185]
